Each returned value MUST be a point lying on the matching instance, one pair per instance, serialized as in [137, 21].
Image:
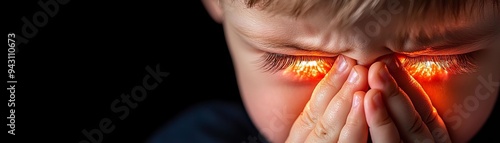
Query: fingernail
[341, 64]
[394, 63]
[354, 76]
[377, 99]
[356, 101]
[384, 74]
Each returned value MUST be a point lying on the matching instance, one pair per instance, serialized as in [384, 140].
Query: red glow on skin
[308, 70]
[426, 70]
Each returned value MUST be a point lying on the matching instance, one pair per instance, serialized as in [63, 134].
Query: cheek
[464, 102]
[273, 104]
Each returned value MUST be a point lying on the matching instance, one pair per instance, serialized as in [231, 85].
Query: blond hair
[349, 11]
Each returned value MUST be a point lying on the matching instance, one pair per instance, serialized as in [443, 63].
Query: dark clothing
[228, 122]
[211, 122]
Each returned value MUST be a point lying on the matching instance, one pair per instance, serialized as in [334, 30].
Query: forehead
[349, 11]
[417, 14]
[314, 19]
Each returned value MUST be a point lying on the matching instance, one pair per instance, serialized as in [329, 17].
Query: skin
[383, 100]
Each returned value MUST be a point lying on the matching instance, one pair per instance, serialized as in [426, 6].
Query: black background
[91, 52]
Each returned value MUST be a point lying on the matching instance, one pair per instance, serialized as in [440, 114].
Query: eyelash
[451, 64]
[272, 62]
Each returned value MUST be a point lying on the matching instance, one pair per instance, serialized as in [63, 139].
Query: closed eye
[302, 67]
[420, 67]
[438, 67]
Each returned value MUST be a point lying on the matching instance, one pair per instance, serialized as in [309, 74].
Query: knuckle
[308, 118]
[431, 117]
[394, 91]
[384, 121]
[330, 82]
[321, 130]
[416, 125]
[353, 123]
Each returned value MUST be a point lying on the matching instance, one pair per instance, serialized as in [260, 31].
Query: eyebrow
[282, 45]
[458, 39]
[276, 43]
[287, 45]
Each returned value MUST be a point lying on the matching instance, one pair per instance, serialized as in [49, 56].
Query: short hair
[349, 11]
[420, 14]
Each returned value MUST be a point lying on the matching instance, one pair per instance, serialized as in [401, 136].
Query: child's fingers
[382, 127]
[355, 129]
[334, 118]
[322, 94]
[406, 117]
[420, 98]
[410, 125]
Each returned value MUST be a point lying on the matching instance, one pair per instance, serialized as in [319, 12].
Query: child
[353, 71]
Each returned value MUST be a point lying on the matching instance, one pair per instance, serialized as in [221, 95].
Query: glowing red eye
[310, 69]
[426, 69]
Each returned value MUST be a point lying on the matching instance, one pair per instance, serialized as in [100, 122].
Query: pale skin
[370, 94]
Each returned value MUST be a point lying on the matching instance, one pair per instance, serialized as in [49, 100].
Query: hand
[398, 110]
[333, 114]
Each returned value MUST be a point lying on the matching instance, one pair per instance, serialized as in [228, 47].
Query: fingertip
[394, 66]
[340, 70]
[355, 128]
[375, 108]
[342, 64]
[370, 98]
[348, 60]
[358, 98]
[392, 61]
[362, 74]
[380, 123]
[361, 69]
[374, 79]
[373, 92]
[359, 93]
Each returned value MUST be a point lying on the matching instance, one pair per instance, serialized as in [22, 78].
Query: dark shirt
[210, 122]
[228, 122]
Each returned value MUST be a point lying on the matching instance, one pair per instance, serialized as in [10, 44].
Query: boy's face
[275, 95]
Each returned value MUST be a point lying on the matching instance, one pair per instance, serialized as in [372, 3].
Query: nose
[367, 55]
